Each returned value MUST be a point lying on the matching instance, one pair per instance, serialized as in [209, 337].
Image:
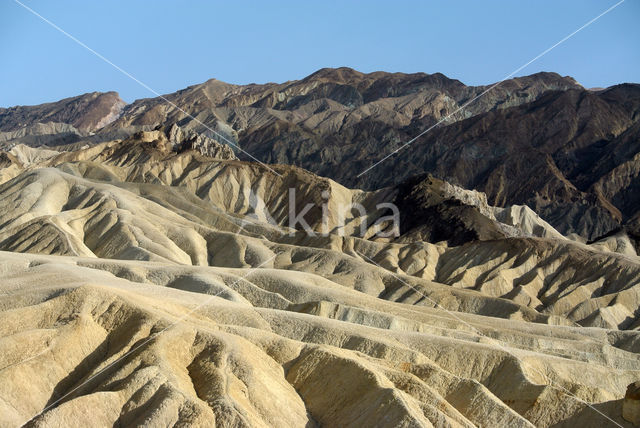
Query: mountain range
[569, 153]
[152, 273]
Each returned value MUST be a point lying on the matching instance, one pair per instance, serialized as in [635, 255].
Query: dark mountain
[569, 153]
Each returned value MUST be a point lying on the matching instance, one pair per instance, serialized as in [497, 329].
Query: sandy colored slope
[116, 248]
[269, 353]
[83, 208]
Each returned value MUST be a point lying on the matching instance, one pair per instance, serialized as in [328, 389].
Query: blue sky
[169, 44]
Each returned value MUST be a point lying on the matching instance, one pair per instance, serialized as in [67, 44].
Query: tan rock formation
[139, 286]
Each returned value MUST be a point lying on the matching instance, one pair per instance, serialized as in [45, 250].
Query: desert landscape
[152, 273]
[319, 214]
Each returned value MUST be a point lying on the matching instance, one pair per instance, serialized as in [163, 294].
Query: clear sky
[172, 44]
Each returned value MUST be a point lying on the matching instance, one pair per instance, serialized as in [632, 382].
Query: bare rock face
[525, 219]
[191, 140]
[433, 210]
[59, 123]
[631, 404]
[87, 113]
[8, 159]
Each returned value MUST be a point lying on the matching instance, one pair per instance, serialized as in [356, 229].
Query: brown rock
[631, 404]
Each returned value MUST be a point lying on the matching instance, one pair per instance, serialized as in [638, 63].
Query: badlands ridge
[142, 284]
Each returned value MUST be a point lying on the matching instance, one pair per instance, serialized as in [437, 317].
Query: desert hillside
[158, 280]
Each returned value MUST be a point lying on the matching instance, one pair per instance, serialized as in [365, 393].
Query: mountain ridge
[144, 284]
[543, 140]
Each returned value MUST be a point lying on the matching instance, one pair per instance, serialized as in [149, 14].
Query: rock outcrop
[631, 404]
[191, 140]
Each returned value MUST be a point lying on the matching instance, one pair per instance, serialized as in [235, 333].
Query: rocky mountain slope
[544, 141]
[60, 122]
[145, 283]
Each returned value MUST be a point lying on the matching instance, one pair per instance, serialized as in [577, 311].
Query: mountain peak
[87, 112]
